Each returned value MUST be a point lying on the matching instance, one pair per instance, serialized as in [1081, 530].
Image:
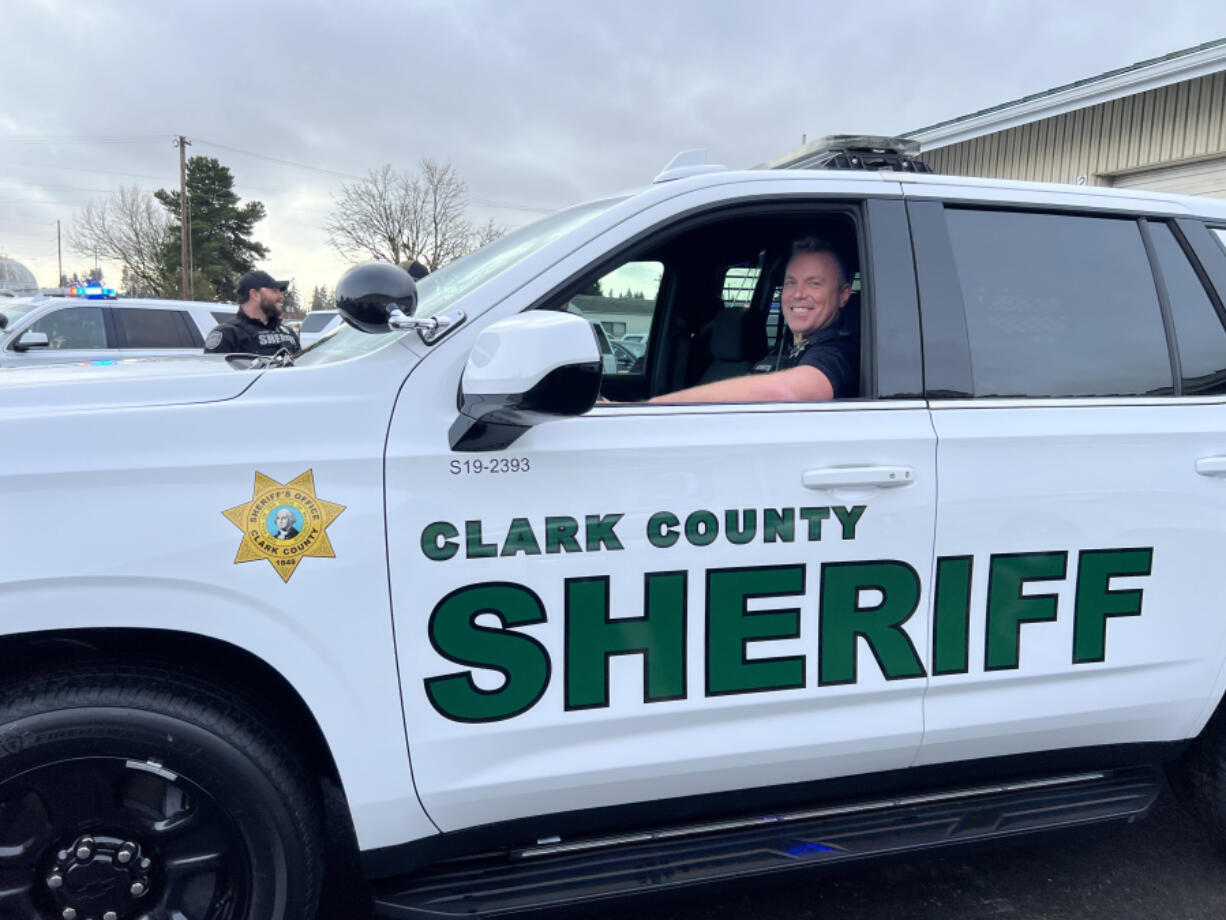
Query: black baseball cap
[258, 279]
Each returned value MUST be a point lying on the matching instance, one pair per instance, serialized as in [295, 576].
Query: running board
[558, 873]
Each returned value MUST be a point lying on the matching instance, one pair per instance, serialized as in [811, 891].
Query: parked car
[975, 597]
[608, 360]
[54, 330]
[630, 356]
[317, 324]
[639, 338]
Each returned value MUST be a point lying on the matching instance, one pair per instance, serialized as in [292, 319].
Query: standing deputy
[256, 329]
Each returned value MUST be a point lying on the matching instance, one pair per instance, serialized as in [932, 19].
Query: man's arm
[221, 341]
[796, 384]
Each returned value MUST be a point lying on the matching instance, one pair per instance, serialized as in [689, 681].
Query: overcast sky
[537, 103]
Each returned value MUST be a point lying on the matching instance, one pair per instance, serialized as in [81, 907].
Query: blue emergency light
[93, 292]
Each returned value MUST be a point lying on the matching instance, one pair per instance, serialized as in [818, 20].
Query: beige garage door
[1204, 177]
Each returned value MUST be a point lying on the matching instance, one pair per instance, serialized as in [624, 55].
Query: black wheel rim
[105, 838]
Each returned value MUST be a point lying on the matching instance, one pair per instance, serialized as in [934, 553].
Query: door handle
[881, 477]
[1211, 466]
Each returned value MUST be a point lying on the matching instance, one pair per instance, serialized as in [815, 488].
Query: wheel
[1198, 778]
[128, 792]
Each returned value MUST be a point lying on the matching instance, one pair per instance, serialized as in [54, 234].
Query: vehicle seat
[738, 341]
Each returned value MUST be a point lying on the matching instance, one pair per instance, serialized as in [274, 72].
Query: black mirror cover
[493, 422]
[367, 294]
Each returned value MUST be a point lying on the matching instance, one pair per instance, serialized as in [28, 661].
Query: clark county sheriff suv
[545, 650]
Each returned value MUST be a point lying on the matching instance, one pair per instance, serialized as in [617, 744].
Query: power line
[83, 138]
[485, 202]
[84, 169]
[69, 188]
[261, 156]
[333, 172]
[42, 202]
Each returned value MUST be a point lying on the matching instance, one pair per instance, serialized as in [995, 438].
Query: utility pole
[183, 143]
[59, 254]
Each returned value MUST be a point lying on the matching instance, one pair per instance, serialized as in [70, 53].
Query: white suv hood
[120, 384]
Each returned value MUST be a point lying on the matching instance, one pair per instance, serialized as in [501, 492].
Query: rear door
[1076, 362]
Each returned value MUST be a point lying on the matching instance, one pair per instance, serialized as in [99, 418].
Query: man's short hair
[811, 242]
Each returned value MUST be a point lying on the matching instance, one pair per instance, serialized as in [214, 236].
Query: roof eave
[1154, 76]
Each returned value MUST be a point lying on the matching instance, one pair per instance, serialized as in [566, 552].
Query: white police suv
[81, 329]
[549, 651]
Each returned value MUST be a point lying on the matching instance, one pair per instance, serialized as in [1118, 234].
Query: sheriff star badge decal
[284, 523]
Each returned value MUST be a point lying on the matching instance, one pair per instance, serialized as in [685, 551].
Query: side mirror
[525, 370]
[367, 294]
[28, 340]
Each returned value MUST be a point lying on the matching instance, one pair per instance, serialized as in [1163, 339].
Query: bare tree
[398, 218]
[131, 228]
[372, 218]
[486, 233]
[443, 233]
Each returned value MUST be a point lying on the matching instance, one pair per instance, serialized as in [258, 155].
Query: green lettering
[436, 541]
[778, 525]
[951, 624]
[1008, 608]
[843, 620]
[560, 535]
[731, 627]
[849, 517]
[814, 517]
[1096, 601]
[600, 532]
[520, 659]
[521, 539]
[701, 528]
[475, 548]
[662, 529]
[593, 637]
[740, 527]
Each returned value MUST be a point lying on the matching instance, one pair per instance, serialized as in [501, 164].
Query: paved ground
[1161, 868]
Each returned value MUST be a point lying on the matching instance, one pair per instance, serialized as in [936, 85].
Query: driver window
[621, 304]
[74, 327]
[701, 304]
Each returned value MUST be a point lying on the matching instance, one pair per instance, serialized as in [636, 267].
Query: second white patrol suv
[75, 330]
[548, 651]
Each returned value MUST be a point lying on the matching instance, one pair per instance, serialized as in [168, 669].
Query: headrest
[737, 335]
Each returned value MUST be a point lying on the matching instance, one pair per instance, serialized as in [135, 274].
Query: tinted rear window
[1198, 328]
[1059, 305]
[156, 329]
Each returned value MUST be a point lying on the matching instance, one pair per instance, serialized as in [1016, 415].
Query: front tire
[130, 792]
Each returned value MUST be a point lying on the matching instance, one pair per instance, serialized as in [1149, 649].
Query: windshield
[13, 312]
[439, 290]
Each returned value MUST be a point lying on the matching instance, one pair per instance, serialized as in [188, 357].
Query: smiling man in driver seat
[823, 362]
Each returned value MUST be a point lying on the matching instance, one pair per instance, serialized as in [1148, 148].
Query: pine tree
[222, 249]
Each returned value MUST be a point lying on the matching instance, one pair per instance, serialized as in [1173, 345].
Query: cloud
[538, 103]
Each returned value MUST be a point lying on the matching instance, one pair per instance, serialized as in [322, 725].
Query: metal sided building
[1158, 124]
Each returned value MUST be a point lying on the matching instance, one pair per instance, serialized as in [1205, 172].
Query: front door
[648, 602]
